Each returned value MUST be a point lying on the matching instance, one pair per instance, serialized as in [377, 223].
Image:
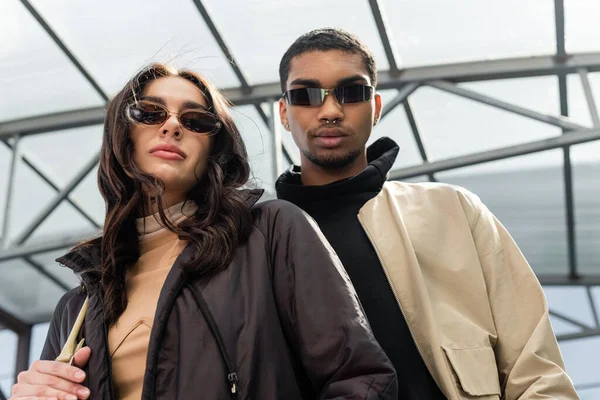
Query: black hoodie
[335, 208]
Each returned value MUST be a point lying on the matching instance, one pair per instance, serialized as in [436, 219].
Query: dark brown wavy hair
[222, 221]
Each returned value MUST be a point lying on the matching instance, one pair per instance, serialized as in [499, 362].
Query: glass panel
[38, 338]
[581, 26]
[168, 31]
[395, 125]
[87, 195]
[287, 138]
[275, 25]
[35, 76]
[25, 206]
[64, 274]
[538, 94]
[64, 221]
[47, 152]
[586, 183]
[581, 362]
[259, 144]
[527, 196]
[572, 302]
[27, 293]
[591, 393]
[6, 385]
[63, 153]
[8, 357]
[433, 31]
[453, 126]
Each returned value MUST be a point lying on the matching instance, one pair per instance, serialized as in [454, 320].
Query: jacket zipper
[395, 295]
[232, 376]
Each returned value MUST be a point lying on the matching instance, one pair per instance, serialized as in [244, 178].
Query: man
[447, 292]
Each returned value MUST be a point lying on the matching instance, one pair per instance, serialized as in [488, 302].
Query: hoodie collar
[381, 156]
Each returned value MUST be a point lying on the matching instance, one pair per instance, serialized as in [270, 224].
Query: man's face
[329, 145]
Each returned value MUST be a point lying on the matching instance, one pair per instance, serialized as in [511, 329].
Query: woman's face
[175, 155]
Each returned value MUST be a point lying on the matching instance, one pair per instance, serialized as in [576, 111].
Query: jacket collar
[381, 156]
[85, 257]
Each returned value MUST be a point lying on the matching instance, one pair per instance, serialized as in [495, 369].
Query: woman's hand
[46, 380]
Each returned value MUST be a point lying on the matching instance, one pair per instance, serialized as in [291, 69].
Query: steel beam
[41, 217]
[561, 122]
[13, 323]
[386, 35]
[587, 386]
[402, 95]
[497, 154]
[568, 182]
[43, 271]
[589, 96]
[559, 21]
[284, 148]
[578, 335]
[564, 280]
[570, 320]
[52, 122]
[464, 72]
[277, 143]
[23, 350]
[10, 192]
[41, 171]
[417, 135]
[593, 306]
[65, 49]
[561, 56]
[457, 73]
[31, 249]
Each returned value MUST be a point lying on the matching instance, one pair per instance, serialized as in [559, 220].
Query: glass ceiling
[111, 40]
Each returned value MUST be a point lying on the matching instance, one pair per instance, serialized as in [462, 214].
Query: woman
[210, 295]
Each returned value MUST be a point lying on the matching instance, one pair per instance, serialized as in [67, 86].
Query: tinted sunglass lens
[298, 97]
[147, 114]
[198, 122]
[306, 97]
[353, 93]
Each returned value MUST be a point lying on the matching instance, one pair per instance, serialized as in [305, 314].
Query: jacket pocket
[476, 372]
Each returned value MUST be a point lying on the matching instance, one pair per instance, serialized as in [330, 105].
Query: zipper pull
[233, 380]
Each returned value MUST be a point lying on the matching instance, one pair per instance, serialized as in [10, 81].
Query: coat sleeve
[529, 361]
[321, 314]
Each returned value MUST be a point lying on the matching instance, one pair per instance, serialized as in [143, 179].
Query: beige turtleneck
[128, 338]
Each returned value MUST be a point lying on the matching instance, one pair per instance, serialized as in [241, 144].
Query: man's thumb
[82, 357]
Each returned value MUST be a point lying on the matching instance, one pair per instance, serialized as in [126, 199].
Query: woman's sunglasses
[148, 113]
[316, 96]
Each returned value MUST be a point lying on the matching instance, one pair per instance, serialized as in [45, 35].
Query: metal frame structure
[406, 81]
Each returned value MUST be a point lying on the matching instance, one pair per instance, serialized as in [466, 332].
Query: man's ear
[378, 108]
[283, 114]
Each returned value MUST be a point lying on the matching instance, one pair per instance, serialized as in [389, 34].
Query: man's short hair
[324, 40]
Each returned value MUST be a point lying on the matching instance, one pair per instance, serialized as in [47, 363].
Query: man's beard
[332, 161]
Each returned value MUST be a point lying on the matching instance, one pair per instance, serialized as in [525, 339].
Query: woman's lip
[167, 155]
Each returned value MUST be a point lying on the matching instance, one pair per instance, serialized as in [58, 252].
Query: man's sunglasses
[316, 96]
[148, 113]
